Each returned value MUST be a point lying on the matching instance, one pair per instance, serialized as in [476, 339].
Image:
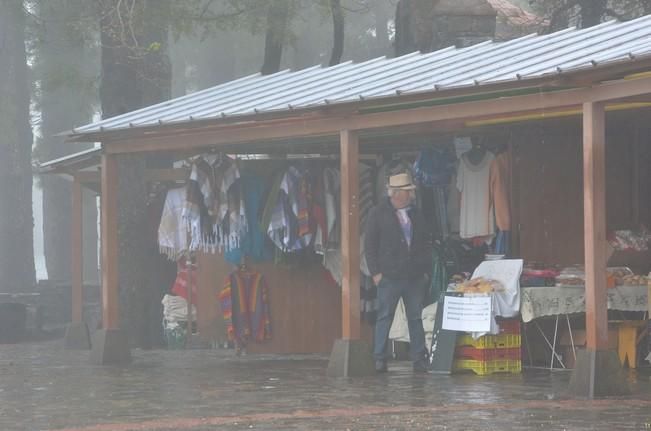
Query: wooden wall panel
[549, 191]
[305, 307]
[550, 195]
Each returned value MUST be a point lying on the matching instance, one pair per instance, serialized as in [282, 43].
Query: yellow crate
[483, 368]
[506, 341]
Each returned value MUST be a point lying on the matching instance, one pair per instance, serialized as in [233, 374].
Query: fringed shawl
[214, 211]
[172, 233]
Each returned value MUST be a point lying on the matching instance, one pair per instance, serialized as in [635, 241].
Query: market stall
[356, 109]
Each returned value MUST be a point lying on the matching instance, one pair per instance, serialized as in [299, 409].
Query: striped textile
[245, 307]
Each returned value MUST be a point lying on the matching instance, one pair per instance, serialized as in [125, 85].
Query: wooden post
[109, 219]
[77, 252]
[350, 247]
[594, 213]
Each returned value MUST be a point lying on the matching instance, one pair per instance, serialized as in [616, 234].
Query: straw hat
[401, 182]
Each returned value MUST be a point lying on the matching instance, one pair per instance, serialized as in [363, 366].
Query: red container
[469, 352]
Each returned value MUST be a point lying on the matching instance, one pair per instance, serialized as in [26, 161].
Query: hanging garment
[502, 244]
[271, 199]
[500, 189]
[453, 201]
[253, 242]
[185, 275]
[473, 182]
[172, 232]
[214, 210]
[245, 306]
[433, 167]
[296, 187]
[332, 190]
[289, 227]
[441, 205]
[318, 213]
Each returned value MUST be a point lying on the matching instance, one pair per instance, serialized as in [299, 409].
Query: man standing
[398, 253]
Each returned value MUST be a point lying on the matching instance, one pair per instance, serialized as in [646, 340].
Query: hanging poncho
[245, 306]
[290, 227]
[214, 212]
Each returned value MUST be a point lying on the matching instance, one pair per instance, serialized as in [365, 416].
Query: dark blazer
[386, 248]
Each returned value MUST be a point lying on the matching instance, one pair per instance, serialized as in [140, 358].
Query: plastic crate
[483, 368]
[505, 341]
[469, 352]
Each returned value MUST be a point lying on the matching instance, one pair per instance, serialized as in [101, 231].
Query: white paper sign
[468, 314]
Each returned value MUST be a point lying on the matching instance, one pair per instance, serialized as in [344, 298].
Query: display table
[562, 301]
[554, 301]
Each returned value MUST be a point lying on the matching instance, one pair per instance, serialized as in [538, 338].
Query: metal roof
[80, 160]
[532, 56]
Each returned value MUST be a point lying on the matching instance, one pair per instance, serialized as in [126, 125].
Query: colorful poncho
[245, 305]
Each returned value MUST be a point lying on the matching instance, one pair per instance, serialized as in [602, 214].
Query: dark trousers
[389, 293]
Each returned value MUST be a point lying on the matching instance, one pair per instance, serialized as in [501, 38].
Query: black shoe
[381, 367]
[421, 367]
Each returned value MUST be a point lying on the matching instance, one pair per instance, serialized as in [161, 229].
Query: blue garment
[253, 243]
[413, 295]
[434, 167]
[502, 242]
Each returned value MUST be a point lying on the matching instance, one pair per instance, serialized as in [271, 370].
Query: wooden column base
[110, 347]
[598, 374]
[77, 336]
[350, 358]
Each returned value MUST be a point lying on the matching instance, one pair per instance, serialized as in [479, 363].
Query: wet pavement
[44, 387]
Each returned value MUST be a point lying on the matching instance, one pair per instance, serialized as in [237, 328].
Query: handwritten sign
[468, 314]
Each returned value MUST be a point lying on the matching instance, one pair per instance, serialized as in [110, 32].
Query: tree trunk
[592, 11]
[337, 32]
[159, 272]
[61, 54]
[277, 17]
[414, 26]
[16, 218]
[382, 44]
[135, 72]
[646, 6]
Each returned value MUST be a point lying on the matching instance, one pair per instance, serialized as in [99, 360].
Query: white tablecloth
[552, 301]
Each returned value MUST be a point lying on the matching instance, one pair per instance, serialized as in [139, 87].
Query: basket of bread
[479, 285]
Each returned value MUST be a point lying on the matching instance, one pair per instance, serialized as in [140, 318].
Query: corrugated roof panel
[314, 81]
[534, 51]
[461, 67]
[416, 69]
[527, 57]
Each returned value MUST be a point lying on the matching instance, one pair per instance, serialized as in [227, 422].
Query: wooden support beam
[76, 230]
[350, 247]
[109, 224]
[594, 195]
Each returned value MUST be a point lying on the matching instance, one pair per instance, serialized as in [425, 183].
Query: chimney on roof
[463, 23]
